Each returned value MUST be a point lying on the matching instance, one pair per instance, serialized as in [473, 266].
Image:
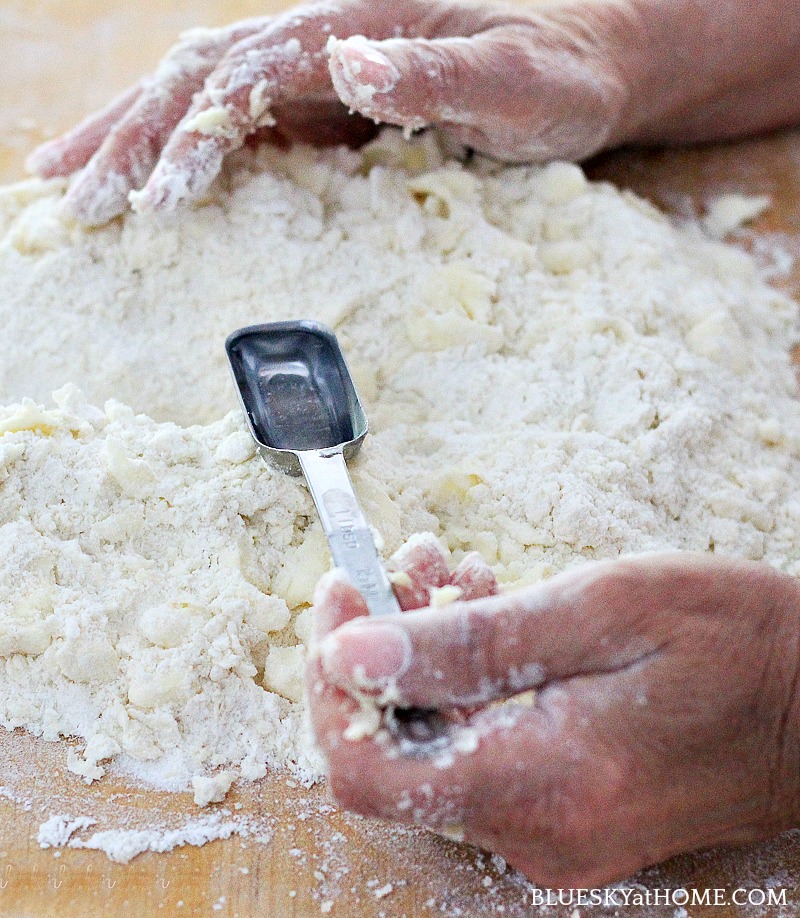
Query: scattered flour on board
[122, 845]
[58, 830]
[553, 372]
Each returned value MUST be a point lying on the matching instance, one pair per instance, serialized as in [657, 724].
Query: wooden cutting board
[61, 59]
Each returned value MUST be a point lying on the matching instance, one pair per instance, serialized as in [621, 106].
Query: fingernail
[365, 66]
[366, 654]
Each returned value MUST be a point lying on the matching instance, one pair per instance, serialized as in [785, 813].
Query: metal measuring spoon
[306, 418]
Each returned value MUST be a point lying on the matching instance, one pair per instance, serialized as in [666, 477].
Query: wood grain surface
[60, 59]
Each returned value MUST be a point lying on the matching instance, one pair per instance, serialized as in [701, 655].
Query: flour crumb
[58, 830]
[212, 789]
[363, 723]
[383, 891]
[89, 771]
[729, 212]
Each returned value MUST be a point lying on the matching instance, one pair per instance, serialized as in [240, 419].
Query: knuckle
[313, 18]
[425, 565]
[558, 54]
[247, 43]
[192, 44]
[480, 654]
[447, 69]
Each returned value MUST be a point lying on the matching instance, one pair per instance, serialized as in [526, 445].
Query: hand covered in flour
[511, 83]
[562, 80]
[666, 715]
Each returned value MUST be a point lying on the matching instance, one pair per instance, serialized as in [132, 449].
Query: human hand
[513, 83]
[666, 716]
[520, 83]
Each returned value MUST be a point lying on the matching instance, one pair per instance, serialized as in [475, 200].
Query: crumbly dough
[212, 788]
[729, 212]
[552, 370]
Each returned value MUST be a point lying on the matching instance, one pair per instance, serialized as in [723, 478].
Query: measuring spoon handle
[349, 536]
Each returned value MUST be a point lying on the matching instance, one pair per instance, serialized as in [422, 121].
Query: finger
[416, 568]
[422, 791]
[282, 63]
[380, 777]
[386, 778]
[235, 102]
[70, 152]
[330, 709]
[538, 787]
[377, 774]
[509, 89]
[469, 653]
[286, 63]
[132, 147]
[417, 81]
[336, 601]
[474, 578]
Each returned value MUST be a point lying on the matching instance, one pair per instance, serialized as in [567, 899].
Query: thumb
[410, 82]
[513, 91]
[336, 601]
[471, 653]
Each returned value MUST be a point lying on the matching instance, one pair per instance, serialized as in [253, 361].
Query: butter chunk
[283, 671]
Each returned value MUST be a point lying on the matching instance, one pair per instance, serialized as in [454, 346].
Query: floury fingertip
[45, 161]
[93, 200]
[327, 582]
[360, 71]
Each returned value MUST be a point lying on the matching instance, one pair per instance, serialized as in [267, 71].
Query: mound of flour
[552, 370]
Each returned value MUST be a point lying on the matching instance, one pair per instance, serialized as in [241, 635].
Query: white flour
[553, 373]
